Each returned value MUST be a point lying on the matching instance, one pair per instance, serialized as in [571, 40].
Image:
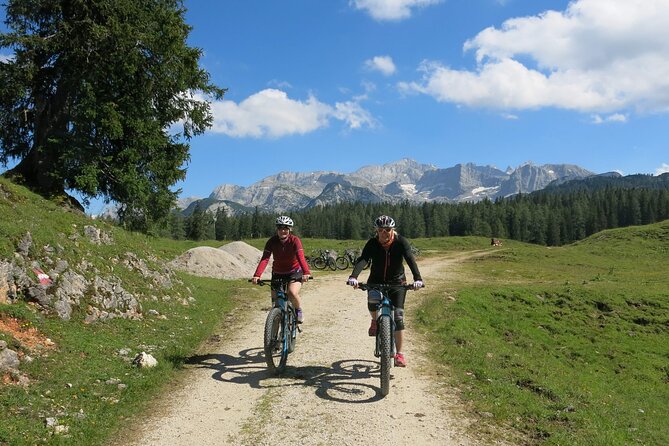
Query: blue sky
[340, 84]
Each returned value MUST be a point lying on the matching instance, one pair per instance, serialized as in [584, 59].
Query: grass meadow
[568, 345]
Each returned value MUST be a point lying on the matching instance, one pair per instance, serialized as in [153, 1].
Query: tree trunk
[39, 170]
[34, 173]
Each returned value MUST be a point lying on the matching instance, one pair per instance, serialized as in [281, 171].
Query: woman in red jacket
[289, 262]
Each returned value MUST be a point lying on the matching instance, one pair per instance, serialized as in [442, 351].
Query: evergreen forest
[552, 217]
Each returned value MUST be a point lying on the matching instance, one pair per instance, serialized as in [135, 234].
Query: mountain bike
[325, 260]
[281, 326]
[385, 332]
[351, 255]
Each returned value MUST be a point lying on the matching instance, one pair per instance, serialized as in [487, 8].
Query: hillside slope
[79, 300]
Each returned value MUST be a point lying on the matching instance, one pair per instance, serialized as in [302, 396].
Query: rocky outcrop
[61, 288]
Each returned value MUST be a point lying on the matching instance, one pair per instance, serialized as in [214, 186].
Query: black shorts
[396, 295]
[296, 275]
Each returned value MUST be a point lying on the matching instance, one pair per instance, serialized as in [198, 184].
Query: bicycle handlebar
[262, 282]
[384, 286]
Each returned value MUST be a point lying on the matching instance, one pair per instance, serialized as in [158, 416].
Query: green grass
[70, 382]
[569, 345]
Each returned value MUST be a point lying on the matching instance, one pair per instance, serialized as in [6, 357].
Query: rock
[70, 291]
[111, 297]
[124, 351]
[145, 360]
[7, 287]
[25, 244]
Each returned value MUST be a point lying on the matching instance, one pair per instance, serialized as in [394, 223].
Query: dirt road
[329, 393]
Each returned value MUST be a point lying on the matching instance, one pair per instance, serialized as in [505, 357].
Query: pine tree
[99, 98]
[221, 225]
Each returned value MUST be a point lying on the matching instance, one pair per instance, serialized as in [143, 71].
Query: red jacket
[288, 256]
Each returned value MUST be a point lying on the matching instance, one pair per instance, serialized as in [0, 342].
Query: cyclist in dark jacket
[387, 252]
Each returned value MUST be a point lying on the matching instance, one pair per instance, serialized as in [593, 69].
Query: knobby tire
[319, 263]
[275, 353]
[292, 329]
[332, 264]
[386, 353]
[342, 263]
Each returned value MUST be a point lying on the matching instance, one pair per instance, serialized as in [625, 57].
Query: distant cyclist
[289, 262]
[387, 252]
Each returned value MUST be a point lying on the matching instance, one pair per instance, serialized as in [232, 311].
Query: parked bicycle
[325, 260]
[281, 326]
[350, 256]
[385, 334]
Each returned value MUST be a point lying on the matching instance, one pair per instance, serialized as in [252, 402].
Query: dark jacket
[387, 266]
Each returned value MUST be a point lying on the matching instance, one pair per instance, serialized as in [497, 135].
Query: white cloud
[354, 115]
[275, 83]
[664, 168]
[270, 113]
[602, 56]
[391, 9]
[6, 57]
[383, 64]
[616, 117]
[509, 116]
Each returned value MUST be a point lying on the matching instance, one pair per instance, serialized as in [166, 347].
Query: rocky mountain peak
[397, 181]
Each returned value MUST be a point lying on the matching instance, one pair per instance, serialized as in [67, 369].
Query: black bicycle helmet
[384, 222]
[284, 221]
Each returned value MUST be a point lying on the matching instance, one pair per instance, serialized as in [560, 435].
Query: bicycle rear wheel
[386, 352]
[276, 352]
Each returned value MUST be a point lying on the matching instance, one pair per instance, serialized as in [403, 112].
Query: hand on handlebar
[352, 281]
[255, 280]
[418, 284]
[306, 277]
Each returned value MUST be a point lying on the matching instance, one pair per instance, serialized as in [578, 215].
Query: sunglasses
[384, 229]
[283, 227]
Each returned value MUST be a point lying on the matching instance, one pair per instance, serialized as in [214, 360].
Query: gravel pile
[235, 260]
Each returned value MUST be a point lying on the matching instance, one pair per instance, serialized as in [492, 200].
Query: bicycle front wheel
[276, 351]
[386, 352]
[319, 263]
[341, 262]
[291, 329]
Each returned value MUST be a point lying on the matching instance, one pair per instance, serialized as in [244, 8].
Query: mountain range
[403, 180]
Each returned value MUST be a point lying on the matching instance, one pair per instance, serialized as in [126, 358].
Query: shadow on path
[343, 381]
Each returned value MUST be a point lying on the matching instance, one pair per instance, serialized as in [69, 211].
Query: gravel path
[329, 393]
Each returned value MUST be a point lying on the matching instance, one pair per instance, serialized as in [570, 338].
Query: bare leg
[294, 294]
[399, 340]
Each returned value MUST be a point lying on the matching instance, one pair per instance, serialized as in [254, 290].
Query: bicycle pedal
[299, 329]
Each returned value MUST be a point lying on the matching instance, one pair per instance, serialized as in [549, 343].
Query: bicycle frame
[281, 326]
[288, 314]
[384, 348]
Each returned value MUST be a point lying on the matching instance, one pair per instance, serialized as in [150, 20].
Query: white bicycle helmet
[384, 222]
[284, 221]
